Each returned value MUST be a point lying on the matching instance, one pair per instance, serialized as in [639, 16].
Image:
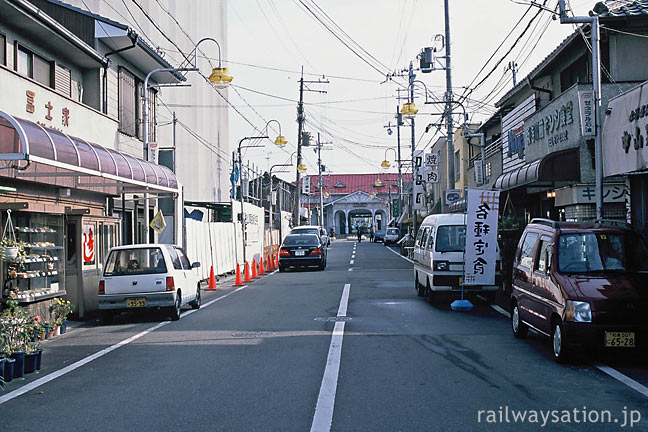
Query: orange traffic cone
[255, 275]
[246, 273]
[212, 279]
[276, 260]
[238, 281]
[270, 263]
[261, 268]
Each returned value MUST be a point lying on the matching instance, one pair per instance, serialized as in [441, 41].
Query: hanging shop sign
[431, 168]
[625, 133]
[419, 181]
[481, 237]
[306, 185]
[452, 196]
[586, 105]
[88, 244]
[157, 223]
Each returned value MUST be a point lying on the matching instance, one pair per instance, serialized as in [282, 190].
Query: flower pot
[57, 330]
[8, 372]
[47, 332]
[2, 363]
[19, 366]
[11, 253]
[63, 326]
[30, 362]
[39, 356]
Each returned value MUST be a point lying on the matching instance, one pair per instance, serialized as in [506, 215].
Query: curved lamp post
[385, 164]
[219, 78]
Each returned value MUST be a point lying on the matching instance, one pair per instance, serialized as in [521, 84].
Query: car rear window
[306, 231]
[301, 240]
[135, 261]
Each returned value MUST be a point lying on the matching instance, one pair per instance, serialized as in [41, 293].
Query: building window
[34, 66]
[3, 50]
[131, 106]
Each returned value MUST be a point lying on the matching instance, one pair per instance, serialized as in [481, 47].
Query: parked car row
[583, 285]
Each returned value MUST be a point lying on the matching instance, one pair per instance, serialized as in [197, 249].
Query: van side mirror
[195, 265]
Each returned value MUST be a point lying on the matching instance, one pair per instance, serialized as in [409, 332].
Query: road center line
[351, 262]
[323, 418]
[59, 373]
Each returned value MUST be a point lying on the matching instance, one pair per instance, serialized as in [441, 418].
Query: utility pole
[593, 21]
[399, 122]
[512, 67]
[319, 169]
[412, 75]
[450, 137]
[300, 130]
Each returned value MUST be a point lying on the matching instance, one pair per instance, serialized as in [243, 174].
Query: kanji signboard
[481, 237]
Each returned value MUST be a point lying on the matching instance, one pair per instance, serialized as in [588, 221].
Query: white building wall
[202, 167]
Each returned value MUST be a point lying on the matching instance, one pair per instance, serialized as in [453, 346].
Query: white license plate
[300, 253]
[620, 339]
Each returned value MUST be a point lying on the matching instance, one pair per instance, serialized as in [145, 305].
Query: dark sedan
[302, 250]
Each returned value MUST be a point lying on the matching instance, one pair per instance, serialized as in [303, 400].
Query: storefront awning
[51, 156]
[559, 166]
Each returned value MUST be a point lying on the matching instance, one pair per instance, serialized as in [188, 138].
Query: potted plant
[11, 249]
[32, 353]
[17, 328]
[61, 308]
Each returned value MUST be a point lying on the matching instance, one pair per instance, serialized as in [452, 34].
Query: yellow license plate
[136, 302]
[620, 339]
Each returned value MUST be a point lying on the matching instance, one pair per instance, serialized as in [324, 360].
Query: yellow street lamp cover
[281, 141]
[301, 168]
[326, 195]
[220, 78]
[385, 164]
[409, 110]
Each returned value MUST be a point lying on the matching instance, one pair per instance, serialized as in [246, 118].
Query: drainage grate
[253, 334]
[333, 319]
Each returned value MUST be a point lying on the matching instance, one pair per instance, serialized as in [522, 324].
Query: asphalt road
[351, 348]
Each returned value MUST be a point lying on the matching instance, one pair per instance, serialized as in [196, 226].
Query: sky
[270, 41]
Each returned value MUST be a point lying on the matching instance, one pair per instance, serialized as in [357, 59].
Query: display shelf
[35, 230]
[30, 296]
[37, 259]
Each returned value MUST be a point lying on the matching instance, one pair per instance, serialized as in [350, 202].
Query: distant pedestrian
[371, 235]
[359, 234]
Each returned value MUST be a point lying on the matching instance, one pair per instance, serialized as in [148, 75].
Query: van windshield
[135, 261]
[450, 238]
[595, 252]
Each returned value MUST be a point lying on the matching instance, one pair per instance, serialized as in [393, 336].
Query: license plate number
[136, 302]
[300, 253]
[620, 339]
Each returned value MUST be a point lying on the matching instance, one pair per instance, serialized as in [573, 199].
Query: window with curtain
[34, 66]
[3, 50]
[127, 103]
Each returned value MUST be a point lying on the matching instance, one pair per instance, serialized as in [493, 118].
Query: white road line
[624, 379]
[351, 269]
[323, 418]
[352, 261]
[500, 310]
[56, 374]
[404, 257]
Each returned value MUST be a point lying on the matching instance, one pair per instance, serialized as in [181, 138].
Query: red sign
[88, 245]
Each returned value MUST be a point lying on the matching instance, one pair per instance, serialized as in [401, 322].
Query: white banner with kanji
[481, 237]
[419, 188]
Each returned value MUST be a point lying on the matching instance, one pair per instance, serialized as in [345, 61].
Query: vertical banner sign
[432, 167]
[419, 189]
[88, 246]
[586, 107]
[305, 185]
[481, 237]
[479, 170]
[153, 150]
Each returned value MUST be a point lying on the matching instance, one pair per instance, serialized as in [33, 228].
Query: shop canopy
[558, 166]
[46, 155]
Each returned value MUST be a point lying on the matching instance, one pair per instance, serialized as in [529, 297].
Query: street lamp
[385, 164]
[219, 78]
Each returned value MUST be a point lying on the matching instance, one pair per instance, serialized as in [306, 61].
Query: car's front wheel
[420, 290]
[560, 352]
[176, 309]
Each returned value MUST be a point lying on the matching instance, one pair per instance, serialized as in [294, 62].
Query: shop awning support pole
[593, 21]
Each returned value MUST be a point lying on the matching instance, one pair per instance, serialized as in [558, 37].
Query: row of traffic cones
[272, 261]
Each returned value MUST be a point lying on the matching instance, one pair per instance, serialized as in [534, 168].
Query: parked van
[581, 284]
[439, 257]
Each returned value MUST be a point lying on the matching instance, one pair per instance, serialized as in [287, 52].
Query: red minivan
[584, 285]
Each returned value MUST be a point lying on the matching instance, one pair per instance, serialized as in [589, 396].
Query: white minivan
[439, 258]
[148, 276]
